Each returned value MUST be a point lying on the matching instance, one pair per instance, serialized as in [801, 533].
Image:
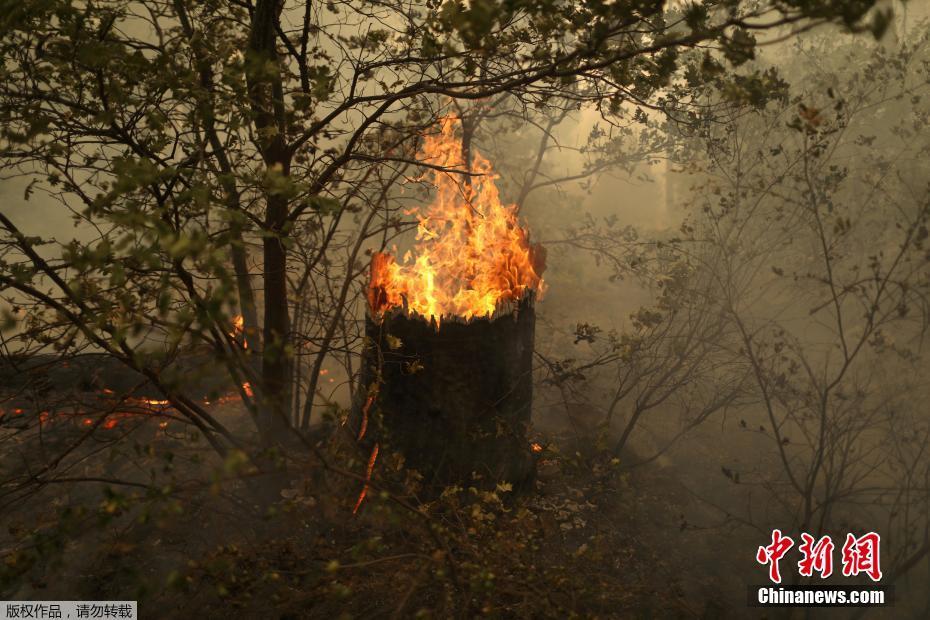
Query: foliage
[242, 158]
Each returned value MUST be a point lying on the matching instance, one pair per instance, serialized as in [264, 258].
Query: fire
[238, 325]
[124, 407]
[470, 255]
[364, 424]
[368, 471]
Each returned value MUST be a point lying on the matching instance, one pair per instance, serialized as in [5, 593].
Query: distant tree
[812, 215]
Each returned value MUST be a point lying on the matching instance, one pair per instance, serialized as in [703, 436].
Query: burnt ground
[186, 537]
[144, 510]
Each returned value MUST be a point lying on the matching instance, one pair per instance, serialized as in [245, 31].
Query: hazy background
[701, 519]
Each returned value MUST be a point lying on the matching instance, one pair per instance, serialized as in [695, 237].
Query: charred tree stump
[456, 400]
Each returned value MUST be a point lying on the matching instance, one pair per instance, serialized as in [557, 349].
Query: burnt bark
[455, 401]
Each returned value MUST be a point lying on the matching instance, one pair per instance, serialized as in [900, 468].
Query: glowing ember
[471, 253]
[364, 425]
[152, 401]
[121, 408]
[535, 447]
[368, 471]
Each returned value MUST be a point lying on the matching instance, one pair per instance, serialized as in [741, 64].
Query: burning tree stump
[454, 401]
[447, 371]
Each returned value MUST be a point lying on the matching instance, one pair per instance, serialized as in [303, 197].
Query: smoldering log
[456, 400]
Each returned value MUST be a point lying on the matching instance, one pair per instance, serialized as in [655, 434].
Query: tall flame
[470, 255]
[238, 332]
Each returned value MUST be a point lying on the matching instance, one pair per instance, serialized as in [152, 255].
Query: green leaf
[324, 205]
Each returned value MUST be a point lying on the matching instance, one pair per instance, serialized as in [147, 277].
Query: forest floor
[145, 511]
[590, 540]
[142, 509]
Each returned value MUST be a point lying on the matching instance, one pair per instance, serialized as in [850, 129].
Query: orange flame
[138, 405]
[364, 424]
[471, 253]
[238, 325]
[154, 401]
[368, 472]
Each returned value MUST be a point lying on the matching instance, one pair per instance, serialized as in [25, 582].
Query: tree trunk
[276, 368]
[266, 93]
[455, 401]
